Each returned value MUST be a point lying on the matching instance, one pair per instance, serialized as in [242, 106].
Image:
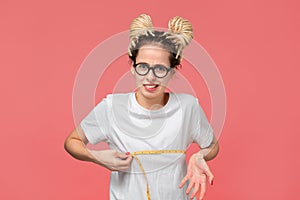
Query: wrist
[202, 153]
[94, 156]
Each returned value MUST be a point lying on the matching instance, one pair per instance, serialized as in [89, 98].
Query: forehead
[153, 54]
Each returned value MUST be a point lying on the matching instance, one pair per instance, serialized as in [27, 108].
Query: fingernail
[212, 182]
[127, 153]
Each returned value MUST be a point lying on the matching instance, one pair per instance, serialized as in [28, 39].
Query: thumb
[122, 155]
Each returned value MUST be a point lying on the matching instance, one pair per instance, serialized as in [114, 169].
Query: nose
[150, 76]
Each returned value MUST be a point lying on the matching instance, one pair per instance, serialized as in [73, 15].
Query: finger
[202, 190]
[207, 172]
[123, 168]
[128, 161]
[195, 190]
[113, 169]
[184, 180]
[210, 176]
[124, 163]
[190, 187]
[122, 156]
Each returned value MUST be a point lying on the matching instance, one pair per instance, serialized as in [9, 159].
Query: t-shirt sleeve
[95, 124]
[201, 129]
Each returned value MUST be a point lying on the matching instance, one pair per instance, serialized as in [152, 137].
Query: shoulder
[112, 102]
[187, 102]
[119, 97]
[119, 100]
[186, 98]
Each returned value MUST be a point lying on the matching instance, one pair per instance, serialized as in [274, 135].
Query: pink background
[255, 45]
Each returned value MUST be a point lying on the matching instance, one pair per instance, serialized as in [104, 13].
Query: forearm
[210, 152]
[78, 150]
[75, 145]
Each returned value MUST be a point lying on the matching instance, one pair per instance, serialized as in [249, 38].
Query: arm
[198, 170]
[75, 145]
[210, 152]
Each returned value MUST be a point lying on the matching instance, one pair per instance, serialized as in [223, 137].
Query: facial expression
[150, 86]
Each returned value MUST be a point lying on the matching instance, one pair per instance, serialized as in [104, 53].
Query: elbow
[67, 145]
[216, 149]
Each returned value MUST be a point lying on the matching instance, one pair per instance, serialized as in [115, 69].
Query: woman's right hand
[112, 160]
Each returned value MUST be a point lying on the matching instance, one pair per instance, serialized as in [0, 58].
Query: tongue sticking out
[151, 87]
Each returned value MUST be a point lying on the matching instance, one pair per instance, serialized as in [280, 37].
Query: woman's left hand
[197, 173]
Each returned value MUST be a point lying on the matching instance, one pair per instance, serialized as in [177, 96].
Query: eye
[160, 68]
[142, 66]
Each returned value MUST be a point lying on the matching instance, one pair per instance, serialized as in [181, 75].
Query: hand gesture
[197, 173]
[112, 159]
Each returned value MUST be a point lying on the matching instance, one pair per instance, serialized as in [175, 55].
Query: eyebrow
[152, 65]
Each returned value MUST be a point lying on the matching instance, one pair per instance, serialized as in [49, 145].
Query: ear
[130, 62]
[132, 70]
[172, 73]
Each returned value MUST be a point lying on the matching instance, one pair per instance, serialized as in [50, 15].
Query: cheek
[138, 79]
[165, 81]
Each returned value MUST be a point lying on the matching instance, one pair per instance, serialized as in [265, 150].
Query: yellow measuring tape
[148, 152]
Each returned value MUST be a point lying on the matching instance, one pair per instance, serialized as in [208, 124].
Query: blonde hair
[178, 36]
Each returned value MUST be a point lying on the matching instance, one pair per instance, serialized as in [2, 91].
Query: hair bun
[140, 25]
[183, 27]
[142, 21]
[180, 32]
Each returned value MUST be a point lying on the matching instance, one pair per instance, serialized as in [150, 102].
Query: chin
[151, 94]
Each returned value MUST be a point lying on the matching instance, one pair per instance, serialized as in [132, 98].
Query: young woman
[149, 130]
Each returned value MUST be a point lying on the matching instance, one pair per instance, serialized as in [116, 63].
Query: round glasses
[160, 71]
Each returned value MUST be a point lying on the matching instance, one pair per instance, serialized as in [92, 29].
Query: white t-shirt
[126, 126]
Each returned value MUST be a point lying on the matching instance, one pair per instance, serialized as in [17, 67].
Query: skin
[152, 99]
[75, 144]
[198, 172]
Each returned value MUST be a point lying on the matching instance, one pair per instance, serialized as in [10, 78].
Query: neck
[152, 104]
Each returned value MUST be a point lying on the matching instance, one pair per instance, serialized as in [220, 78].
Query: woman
[149, 130]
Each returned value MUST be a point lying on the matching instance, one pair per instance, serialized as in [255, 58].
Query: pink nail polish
[127, 153]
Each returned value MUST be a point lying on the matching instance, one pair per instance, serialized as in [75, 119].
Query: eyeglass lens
[159, 71]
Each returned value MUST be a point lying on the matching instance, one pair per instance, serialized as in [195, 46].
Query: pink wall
[255, 45]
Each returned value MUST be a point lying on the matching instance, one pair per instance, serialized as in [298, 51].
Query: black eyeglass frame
[152, 68]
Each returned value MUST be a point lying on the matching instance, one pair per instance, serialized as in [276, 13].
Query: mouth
[150, 87]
